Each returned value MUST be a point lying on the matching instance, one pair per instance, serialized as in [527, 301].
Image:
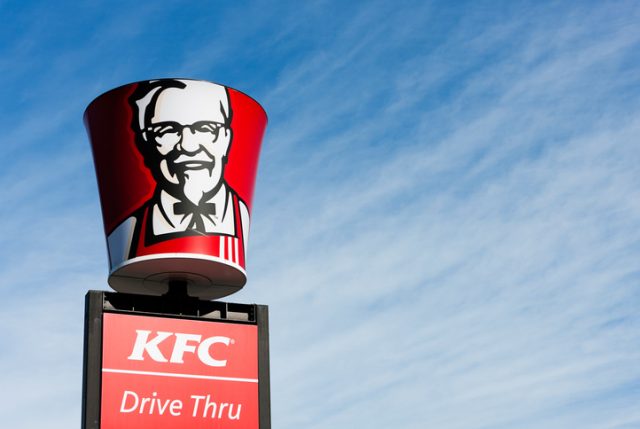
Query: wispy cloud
[478, 268]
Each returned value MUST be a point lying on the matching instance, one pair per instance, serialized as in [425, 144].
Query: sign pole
[92, 360]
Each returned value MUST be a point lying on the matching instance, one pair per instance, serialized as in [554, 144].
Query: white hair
[143, 103]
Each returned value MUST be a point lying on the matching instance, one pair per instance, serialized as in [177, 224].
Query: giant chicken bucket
[176, 163]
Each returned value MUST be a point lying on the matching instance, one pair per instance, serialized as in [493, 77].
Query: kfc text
[184, 343]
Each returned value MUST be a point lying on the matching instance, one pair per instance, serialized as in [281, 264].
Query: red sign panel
[166, 373]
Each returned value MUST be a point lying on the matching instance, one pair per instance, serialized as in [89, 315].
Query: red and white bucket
[176, 162]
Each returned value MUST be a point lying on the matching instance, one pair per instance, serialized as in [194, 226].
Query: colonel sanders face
[186, 133]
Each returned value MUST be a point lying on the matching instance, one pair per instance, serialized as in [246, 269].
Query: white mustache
[198, 157]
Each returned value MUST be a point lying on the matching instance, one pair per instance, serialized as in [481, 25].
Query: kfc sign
[176, 162]
[162, 373]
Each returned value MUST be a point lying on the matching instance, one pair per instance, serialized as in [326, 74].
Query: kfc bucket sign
[176, 162]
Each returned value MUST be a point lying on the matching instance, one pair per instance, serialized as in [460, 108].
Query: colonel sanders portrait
[183, 132]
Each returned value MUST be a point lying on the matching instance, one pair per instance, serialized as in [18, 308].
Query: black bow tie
[197, 212]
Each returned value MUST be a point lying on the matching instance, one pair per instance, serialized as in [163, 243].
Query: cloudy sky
[446, 223]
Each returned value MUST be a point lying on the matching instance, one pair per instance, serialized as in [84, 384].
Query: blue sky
[446, 223]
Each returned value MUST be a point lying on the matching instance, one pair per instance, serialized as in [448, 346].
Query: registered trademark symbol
[233, 341]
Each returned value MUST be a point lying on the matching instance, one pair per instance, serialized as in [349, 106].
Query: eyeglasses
[170, 133]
